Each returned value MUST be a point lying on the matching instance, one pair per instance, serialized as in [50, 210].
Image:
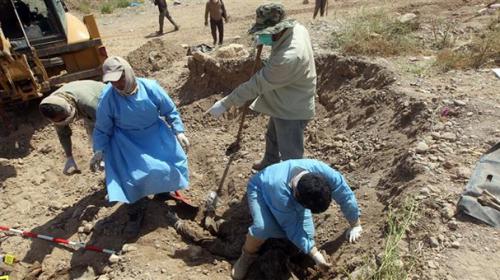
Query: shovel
[232, 149]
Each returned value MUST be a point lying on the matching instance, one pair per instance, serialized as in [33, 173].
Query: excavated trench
[363, 127]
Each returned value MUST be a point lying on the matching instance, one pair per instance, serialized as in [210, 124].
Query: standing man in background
[321, 6]
[217, 12]
[162, 7]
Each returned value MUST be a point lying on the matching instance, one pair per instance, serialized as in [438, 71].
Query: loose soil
[371, 115]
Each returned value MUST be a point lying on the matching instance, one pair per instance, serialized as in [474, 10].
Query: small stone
[103, 277]
[81, 229]
[408, 17]
[448, 211]
[163, 271]
[129, 248]
[87, 228]
[450, 136]
[455, 244]
[432, 264]
[453, 225]
[469, 114]
[114, 258]
[422, 147]
[462, 172]
[459, 103]
[433, 242]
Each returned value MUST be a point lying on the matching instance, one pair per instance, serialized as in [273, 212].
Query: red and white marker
[57, 240]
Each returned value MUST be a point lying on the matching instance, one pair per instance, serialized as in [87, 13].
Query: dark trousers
[217, 25]
[321, 7]
[165, 14]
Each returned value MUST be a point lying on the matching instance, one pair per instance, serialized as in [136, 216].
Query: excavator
[43, 46]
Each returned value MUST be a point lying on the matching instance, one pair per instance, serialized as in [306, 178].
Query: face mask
[266, 39]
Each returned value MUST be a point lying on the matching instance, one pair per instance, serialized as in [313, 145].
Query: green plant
[121, 3]
[106, 8]
[442, 33]
[398, 222]
[376, 34]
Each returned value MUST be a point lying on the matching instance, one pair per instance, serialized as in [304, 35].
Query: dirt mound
[154, 56]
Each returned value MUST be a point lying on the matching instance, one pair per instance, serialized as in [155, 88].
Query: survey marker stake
[57, 240]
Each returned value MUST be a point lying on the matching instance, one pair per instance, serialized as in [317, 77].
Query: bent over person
[73, 101]
[282, 199]
[141, 151]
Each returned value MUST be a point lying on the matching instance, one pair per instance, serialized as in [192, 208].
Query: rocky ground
[395, 126]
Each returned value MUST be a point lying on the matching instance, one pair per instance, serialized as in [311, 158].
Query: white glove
[70, 163]
[319, 259]
[181, 137]
[217, 109]
[95, 161]
[354, 233]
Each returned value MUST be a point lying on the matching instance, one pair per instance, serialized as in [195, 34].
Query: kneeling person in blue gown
[282, 198]
[143, 154]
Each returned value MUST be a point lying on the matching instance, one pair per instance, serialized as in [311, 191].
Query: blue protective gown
[276, 213]
[141, 153]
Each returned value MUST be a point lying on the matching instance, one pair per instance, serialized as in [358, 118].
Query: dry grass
[483, 50]
[376, 34]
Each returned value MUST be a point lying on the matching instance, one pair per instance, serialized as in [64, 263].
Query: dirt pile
[154, 56]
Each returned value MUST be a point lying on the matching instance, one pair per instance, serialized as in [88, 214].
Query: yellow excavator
[43, 46]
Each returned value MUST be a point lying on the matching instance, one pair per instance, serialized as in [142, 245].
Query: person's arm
[341, 193]
[167, 108]
[64, 135]
[104, 124]
[206, 13]
[276, 74]
[224, 12]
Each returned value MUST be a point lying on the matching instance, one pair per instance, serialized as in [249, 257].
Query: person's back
[86, 95]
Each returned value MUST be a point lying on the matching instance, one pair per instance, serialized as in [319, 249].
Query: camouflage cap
[270, 19]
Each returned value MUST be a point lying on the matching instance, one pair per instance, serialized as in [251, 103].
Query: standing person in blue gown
[142, 152]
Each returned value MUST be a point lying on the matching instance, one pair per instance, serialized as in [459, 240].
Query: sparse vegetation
[376, 34]
[398, 222]
[484, 49]
[106, 8]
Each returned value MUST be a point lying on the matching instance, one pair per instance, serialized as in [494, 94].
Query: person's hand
[181, 137]
[95, 161]
[70, 164]
[217, 109]
[320, 260]
[206, 23]
[354, 233]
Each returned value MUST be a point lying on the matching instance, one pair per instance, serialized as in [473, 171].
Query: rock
[81, 229]
[448, 211]
[450, 136]
[163, 271]
[422, 147]
[455, 244]
[194, 252]
[453, 225]
[114, 258]
[407, 17]
[129, 248]
[459, 103]
[432, 264]
[462, 172]
[231, 51]
[425, 191]
[433, 242]
[87, 228]
[103, 277]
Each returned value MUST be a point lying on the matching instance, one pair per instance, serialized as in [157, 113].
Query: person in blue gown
[139, 135]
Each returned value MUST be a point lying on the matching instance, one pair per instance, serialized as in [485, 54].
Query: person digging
[284, 88]
[282, 199]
